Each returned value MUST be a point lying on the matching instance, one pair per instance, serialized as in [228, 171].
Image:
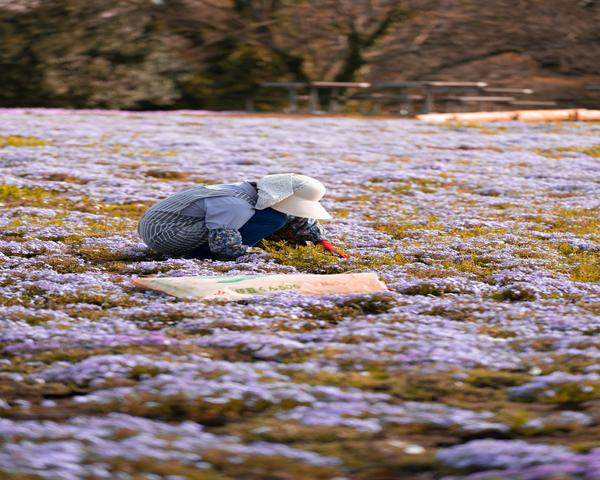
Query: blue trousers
[263, 224]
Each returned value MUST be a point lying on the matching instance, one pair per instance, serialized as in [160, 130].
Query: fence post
[314, 100]
[293, 100]
[250, 104]
[428, 99]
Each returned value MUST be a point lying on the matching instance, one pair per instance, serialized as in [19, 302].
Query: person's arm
[226, 243]
[310, 230]
[306, 229]
[224, 217]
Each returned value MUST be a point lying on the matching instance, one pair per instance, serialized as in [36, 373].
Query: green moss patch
[314, 259]
[21, 141]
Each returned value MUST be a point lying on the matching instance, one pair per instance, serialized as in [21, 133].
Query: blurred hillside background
[211, 54]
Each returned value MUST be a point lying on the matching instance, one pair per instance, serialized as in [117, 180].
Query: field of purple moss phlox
[480, 363]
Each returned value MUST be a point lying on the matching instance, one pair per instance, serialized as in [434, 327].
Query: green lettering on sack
[276, 288]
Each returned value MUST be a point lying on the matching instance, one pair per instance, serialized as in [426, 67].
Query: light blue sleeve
[227, 212]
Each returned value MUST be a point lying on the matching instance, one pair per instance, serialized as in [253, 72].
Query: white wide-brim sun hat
[292, 194]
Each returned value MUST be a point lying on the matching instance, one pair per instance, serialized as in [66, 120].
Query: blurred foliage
[145, 54]
[80, 53]
[231, 76]
[152, 54]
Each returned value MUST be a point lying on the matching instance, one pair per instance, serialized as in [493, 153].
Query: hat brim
[299, 207]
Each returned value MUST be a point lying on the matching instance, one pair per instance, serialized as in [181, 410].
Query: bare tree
[336, 36]
[314, 39]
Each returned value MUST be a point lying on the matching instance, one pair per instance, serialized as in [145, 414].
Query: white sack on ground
[244, 286]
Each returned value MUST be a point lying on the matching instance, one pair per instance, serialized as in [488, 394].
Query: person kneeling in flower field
[225, 221]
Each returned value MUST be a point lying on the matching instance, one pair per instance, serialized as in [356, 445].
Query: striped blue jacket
[164, 228]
